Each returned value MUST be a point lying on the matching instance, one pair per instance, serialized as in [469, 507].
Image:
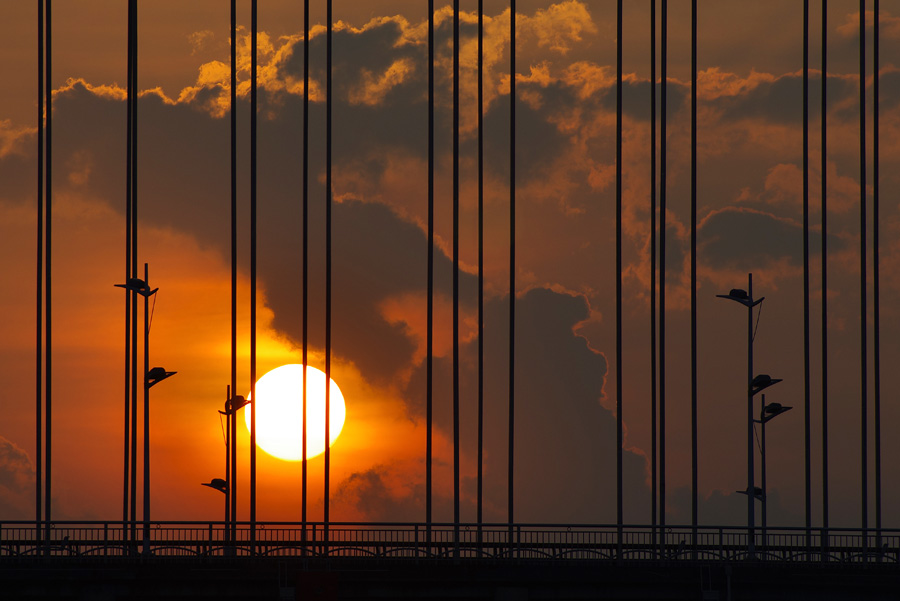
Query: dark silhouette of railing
[467, 541]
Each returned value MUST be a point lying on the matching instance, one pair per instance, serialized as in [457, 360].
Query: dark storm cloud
[735, 237]
[400, 118]
[781, 100]
[565, 440]
[184, 184]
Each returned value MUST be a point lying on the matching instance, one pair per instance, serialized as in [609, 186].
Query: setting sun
[279, 418]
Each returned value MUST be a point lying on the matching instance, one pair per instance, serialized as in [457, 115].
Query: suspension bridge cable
[619, 433]
[824, 258]
[876, 279]
[863, 283]
[328, 202]
[662, 263]
[253, 265]
[806, 303]
[653, 361]
[512, 265]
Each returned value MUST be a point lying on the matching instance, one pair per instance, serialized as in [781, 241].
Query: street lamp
[218, 484]
[755, 384]
[232, 405]
[766, 414]
[222, 486]
[152, 377]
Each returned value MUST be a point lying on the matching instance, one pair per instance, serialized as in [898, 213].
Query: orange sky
[749, 216]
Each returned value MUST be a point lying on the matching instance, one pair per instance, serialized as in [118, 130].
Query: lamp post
[222, 486]
[232, 405]
[767, 413]
[754, 385]
[152, 377]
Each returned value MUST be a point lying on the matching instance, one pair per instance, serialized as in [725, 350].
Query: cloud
[564, 439]
[890, 25]
[558, 27]
[199, 40]
[380, 494]
[17, 480]
[743, 238]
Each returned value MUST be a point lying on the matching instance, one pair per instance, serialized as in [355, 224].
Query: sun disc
[279, 412]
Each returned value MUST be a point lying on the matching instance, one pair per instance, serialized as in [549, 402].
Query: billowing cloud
[17, 479]
[737, 237]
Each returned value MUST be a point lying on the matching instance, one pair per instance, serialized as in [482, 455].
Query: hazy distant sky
[749, 215]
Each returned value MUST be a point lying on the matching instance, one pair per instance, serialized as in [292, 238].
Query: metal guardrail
[465, 541]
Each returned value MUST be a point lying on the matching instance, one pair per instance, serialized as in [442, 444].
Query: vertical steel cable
[863, 282]
[456, 274]
[619, 433]
[232, 478]
[694, 468]
[328, 126]
[128, 295]
[429, 360]
[132, 167]
[39, 287]
[824, 176]
[876, 275]
[653, 479]
[806, 307]
[253, 274]
[480, 483]
[664, 42]
[145, 509]
[48, 262]
[512, 262]
[305, 299]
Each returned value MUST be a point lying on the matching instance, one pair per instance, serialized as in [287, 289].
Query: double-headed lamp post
[152, 377]
[755, 385]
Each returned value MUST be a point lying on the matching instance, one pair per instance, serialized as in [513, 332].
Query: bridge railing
[464, 541]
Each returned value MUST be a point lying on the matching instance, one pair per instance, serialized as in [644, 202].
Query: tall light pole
[152, 377]
[767, 413]
[222, 486]
[232, 405]
[754, 385]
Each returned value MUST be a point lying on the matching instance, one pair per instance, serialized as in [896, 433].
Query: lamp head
[761, 382]
[157, 375]
[217, 483]
[757, 493]
[739, 295]
[232, 405]
[138, 285]
[773, 410]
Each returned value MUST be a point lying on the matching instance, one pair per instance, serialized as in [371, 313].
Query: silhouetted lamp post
[755, 384]
[232, 405]
[152, 377]
[222, 486]
[767, 413]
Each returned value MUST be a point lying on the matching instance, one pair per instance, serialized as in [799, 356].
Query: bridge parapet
[448, 541]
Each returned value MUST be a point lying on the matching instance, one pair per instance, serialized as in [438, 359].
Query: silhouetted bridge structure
[463, 541]
[468, 561]
[134, 559]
